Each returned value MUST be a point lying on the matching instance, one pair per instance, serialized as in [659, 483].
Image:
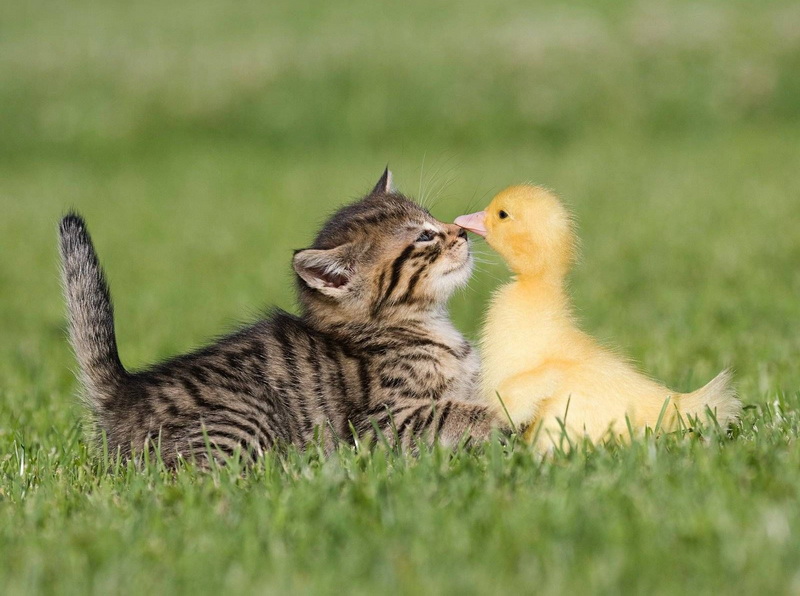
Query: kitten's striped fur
[373, 348]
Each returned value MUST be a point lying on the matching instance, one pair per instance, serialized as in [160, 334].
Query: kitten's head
[381, 257]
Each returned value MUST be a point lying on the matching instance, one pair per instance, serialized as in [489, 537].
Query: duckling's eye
[502, 214]
[426, 236]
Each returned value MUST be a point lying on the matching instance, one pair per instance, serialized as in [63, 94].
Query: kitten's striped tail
[91, 315]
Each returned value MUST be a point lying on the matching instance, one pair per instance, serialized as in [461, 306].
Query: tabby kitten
[373, 348]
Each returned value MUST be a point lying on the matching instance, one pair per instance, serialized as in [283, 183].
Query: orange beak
[473, 222]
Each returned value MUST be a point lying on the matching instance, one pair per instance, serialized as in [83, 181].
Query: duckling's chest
[519, 334]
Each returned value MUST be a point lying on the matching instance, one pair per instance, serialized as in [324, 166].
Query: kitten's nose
[454, 231]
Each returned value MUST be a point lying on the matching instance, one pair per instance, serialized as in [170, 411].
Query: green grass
[203, 144]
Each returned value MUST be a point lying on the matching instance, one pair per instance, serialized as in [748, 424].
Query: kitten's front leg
[446, 421]
[466, 390]
[456, 420]
[466, 386]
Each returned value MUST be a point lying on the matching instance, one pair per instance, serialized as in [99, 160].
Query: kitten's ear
[326, 271]
[384, 185]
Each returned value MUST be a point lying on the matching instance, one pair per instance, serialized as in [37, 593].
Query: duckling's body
[546, 370]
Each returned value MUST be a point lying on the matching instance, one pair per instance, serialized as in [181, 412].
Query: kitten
[373, 348]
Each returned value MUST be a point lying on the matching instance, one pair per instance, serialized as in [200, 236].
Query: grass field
[204, 142]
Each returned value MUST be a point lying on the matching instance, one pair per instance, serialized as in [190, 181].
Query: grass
[203, 144]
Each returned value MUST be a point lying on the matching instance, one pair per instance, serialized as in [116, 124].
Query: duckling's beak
[474, 222]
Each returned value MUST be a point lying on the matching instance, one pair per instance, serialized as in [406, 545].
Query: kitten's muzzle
[454, 231]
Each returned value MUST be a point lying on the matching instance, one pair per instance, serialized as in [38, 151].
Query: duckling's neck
[547, 292]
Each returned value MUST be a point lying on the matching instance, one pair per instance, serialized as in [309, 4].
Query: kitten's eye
[425, 236]
[502, 214]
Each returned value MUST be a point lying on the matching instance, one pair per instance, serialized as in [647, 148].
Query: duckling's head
[530, 228]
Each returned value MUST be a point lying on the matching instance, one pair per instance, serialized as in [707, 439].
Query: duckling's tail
[718, 396]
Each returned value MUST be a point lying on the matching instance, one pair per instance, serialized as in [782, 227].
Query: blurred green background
[205, 141]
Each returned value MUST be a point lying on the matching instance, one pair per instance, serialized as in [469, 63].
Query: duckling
[548, 373]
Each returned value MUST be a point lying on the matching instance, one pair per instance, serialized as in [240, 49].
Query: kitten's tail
[91, 315]
[718, 396]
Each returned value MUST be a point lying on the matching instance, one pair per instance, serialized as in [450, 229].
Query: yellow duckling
[548, 372]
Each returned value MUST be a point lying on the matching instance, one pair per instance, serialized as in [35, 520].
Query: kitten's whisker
[434, 176]
[481, 200]
[421, 175]
[437, 195]
[444, 185]
[490, 274]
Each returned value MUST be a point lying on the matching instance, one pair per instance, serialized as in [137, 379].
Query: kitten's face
[381, 256]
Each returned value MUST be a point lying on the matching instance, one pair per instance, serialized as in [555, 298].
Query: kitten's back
[371, 350]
